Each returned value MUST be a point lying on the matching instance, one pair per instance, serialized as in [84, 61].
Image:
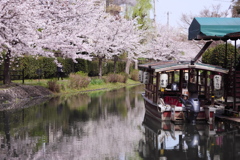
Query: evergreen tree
[216, 56]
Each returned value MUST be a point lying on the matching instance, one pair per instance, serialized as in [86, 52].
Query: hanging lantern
[217, 80]
[186, 76]
[163, 80]
[146, 77]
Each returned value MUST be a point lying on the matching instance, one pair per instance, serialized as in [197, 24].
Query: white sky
[177, 7]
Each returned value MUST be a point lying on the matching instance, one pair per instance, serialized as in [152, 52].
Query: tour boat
[180, 91]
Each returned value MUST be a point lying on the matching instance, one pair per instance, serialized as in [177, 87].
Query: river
[109, 125]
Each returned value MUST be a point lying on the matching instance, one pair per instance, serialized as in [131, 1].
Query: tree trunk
[100, 67]
[115, 64]
[136, 64]
[6, 70]
[127, 67]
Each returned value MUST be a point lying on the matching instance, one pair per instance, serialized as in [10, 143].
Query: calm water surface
[109, 126]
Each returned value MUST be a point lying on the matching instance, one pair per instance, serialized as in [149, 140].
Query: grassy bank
[65, 89]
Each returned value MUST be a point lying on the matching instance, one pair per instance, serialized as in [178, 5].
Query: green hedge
[44, 67]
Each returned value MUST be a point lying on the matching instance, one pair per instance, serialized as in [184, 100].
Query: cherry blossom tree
[39, 27]
[43, 27]
[113, 37]
[17, 31]
[133, 43]
[70, 27]
[94, 31]
[167, 43]
[67, 24]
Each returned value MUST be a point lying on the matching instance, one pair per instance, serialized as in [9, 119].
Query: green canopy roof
[207, 28]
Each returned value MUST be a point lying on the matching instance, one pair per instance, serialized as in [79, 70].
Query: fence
[14, 75]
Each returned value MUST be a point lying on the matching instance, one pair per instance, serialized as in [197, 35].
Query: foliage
[114, 78]
[81, 73]
[54, 86]
[37, 67]
[134, 75]
[142, 11]
[30, 66]
[93, 68]
[77, 81]
[216, 56]
[123, 77]
[96, 81]
[67, 63]
[47, 67]
[81, 65]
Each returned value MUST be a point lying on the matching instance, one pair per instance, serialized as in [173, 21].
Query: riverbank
[14, 96]
[18, 94]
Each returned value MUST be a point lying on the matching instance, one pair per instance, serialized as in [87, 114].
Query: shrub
[81, 73]
[113, 78]
[53, 86]
[122, 77]
[134, 75]
[77, 81]
[96, 81]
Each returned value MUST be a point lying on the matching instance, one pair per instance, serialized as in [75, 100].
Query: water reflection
[108, 125]
[168, 141]
[103, 125]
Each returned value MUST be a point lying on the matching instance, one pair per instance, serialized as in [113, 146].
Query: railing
[14, 75]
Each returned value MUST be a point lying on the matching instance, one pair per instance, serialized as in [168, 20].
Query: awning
[213, 28]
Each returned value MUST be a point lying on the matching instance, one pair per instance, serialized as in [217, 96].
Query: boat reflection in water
[167, 141]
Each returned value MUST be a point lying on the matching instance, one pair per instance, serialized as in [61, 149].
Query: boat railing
[151, 92]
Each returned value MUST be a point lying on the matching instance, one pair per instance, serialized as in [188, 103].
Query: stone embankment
[18, 96]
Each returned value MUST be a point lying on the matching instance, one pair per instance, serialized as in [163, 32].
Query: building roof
[214, 28]
[180, 65]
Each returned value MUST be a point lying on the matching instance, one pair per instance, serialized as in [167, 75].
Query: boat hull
[154, 110]
[177, 114]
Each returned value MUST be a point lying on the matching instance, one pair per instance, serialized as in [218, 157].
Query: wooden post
[197, 81]
[205, 84]
[225, 78]
[181, 81]
[212, 89]
[234, 81]
[157, 86]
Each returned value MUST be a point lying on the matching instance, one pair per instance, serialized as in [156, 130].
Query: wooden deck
[230, 119]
